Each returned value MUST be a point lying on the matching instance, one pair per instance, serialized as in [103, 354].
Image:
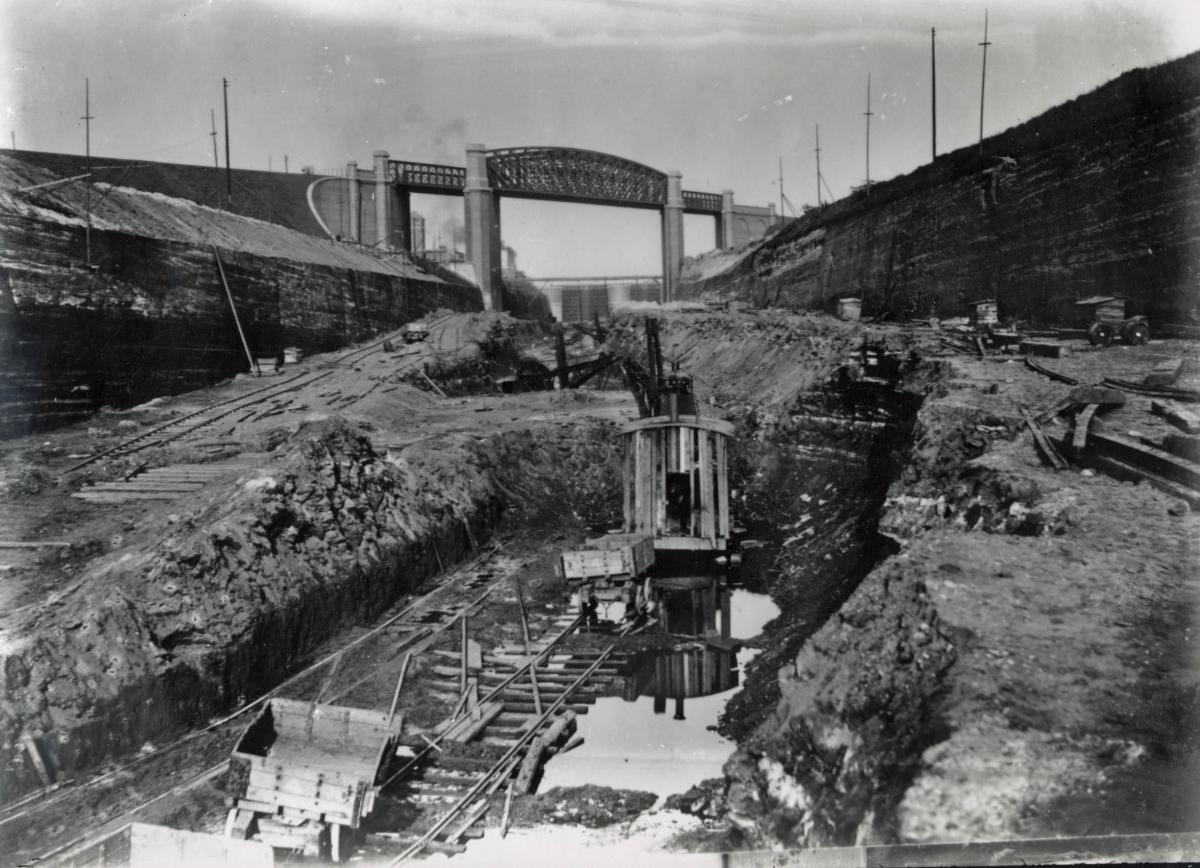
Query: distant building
[418, 232]
[443, 256]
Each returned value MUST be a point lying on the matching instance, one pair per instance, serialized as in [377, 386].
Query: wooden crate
[987, 312]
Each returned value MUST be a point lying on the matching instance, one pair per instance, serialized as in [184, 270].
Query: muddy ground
[970, 646]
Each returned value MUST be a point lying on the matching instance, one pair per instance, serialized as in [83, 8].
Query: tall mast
[983, 80]
[87, 182]
[228, 170]
[212, 116]
[817, 150]
[781, 189]
[933, 86]
[868, 114]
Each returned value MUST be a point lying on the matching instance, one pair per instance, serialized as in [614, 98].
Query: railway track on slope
[198, 420]
[351, 357]
[127, 792]
[250, 404]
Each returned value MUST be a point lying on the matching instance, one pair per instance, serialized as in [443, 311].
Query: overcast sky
[718, 89]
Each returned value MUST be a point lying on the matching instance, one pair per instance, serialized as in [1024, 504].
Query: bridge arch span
[575, 175]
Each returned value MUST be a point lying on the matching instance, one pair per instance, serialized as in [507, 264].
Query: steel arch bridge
[549, 173]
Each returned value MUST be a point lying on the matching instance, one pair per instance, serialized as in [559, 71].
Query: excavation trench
[809, 489]
[335, 531]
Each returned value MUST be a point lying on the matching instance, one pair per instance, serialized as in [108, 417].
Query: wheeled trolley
[315, 772]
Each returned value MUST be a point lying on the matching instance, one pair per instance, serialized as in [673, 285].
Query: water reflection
[660, 735]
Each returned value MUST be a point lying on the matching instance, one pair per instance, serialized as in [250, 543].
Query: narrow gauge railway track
[357, 354]
[202, 418]
[515, 728]
[128, 789]
[194, 422]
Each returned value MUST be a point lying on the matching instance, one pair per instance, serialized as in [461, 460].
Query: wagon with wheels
[1109, 322]
[415, 332]
[315, 772]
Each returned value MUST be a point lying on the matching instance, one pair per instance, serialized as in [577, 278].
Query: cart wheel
[1137, 333]
[1100, 334]
[340, 843]
[242, 831]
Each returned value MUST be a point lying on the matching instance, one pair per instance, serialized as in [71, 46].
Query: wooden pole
[233, 307]
[507, 809]
[537, 694]
[817, 151]
[399, 684]
[228, 170]
[868, 114]
[463, 674]
[212, 117]
[983, 81]
[933, 86]
[781, 187]
[87, 147]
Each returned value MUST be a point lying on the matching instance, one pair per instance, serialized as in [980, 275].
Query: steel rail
[249, 706]
[363, 351]
[504, 762]
[183, 418]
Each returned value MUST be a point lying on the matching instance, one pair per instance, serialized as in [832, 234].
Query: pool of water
[629, 745]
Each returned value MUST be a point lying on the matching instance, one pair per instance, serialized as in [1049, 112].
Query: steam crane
[675, 538]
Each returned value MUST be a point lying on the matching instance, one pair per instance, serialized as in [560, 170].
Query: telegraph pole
[817, 151]
[983, 81]
[87, 183]
[868, 114]
[933, 84]
[781, 215]
[285, 168]
[228, 170]
[212, 116]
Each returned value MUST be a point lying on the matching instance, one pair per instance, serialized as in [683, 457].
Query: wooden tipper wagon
[315, 772]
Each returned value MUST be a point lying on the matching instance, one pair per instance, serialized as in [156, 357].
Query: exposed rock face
[854, 709]
[235, 594]
[152, 316]
[1097, 196]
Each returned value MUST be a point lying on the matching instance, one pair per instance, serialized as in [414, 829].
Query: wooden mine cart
[315, 772]
[1108, 321]
[605, 564]
[415, 332]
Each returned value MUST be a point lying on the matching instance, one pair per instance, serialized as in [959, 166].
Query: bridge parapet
[701, 203]
[428, 176]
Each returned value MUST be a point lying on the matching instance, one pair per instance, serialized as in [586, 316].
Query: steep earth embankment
[1100, 195]
[151, 316]
[970, 646]
[182, 621]
[837, 704]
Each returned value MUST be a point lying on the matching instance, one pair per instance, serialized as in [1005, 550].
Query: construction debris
[1180, 417]
[1190, 395]
[1045, 348]
[1044, 445]
[1054, 375]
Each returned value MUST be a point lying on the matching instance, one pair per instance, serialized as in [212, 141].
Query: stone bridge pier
[380, 213]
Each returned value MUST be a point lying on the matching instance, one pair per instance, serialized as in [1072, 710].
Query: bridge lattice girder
[570, 173]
